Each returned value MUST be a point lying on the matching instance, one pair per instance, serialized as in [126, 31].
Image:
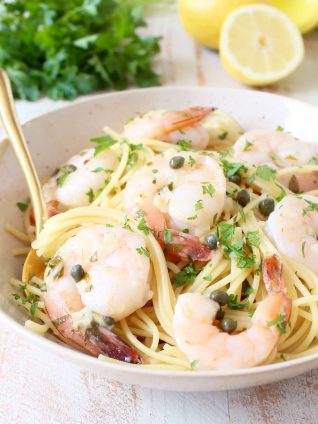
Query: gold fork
[15, 135]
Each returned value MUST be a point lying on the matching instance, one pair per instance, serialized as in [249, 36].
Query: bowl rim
[93, 362]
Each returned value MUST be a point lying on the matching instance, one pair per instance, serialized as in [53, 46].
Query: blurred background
[62, 50]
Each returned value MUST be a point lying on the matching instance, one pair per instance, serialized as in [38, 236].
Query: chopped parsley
[303, 247]
[186, 276]
[103, 143]
[234, 304]
[225, 232]
[98, 169]
[126, 224]
[282, 193]
[279, 128]
[265, 172]
[191, 218]
[65, 171]
[241, 211]
[251, 313]
[142, 251]
[207, 188]
[198, 205]
[249, 291]
[223, 135]
[248, 145]
[312, 207]
[280, 322]
[252, 238]
[22, 206]
[142, 226]
[184, 145]
[168, 236]
[155, 171]
[240, 250]
[283, 357]
[194, 364]
[191, 161]
[232, 168]
[90, 194]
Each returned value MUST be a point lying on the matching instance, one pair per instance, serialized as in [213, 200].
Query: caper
[69, 168]
[236, 178]
[220, 297]
[293, 184]
[267, 206]
[220, 314]
[109, 321]
[243, 197]
[211, 240]
[77, 272]
[176, 162]
[228, 325]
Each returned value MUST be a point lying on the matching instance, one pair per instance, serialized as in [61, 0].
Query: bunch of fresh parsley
[66, 48]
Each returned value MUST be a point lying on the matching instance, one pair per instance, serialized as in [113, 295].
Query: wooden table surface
[36, 387]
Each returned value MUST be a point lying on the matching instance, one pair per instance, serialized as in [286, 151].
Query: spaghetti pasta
[233, 267]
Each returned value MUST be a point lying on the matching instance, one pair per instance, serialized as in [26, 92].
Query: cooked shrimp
[180, 191]
[202, 341]
[83, 173]
[97, 276]
[293, 226]
[199, 126]
[279, 150]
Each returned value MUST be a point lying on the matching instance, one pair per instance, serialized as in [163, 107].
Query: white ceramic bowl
[55, 136]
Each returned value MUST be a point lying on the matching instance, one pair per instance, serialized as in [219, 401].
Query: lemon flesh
[260, 45]
[304, 13]
[203, 19]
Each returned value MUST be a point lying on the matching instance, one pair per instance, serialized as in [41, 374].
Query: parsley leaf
[186, 276]
[168, 236]
[225, 232]
[103, 143]
[193, 364]
[142, 226]
[265, 172]
[280, 321]
[252, 238]
[90, 194]
[232, 168]
[248, 145]
[184, 145]
[142, 251]
[66, 48]
[65, 171]
[223, 135]
[312, 207]
[198, 205]
[22, 206]
[234, 304]
[207, 188]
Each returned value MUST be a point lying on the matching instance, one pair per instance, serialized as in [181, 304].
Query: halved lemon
[260, 45]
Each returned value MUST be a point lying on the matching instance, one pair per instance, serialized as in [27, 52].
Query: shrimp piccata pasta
[181, 242]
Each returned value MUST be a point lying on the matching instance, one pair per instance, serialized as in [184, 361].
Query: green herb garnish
[22, 206]
[67, 48]
[186, 276]
[280, 322]
[103, 143]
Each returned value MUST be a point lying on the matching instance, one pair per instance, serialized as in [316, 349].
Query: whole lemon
[304, 13]
[203, 19]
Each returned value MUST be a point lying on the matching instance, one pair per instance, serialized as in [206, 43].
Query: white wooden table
[36, 387]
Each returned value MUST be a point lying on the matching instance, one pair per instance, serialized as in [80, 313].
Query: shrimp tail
[273, 277]
[108, 343]
[184, 246]
[97, 340]
[190, 117]
[272, 270]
